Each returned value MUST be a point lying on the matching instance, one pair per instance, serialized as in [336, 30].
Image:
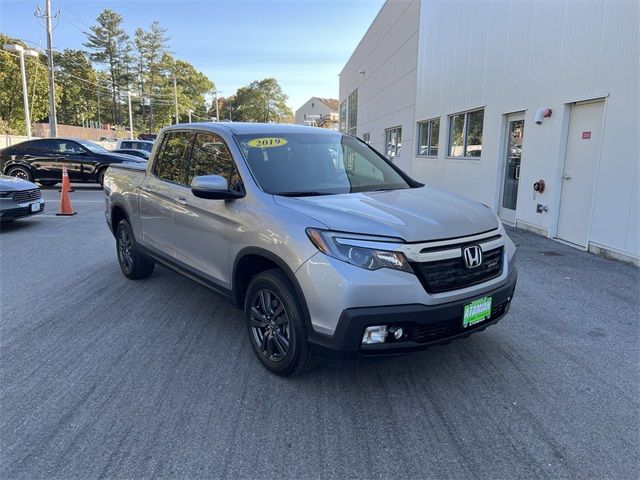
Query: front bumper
[10, 210]
[425, 325]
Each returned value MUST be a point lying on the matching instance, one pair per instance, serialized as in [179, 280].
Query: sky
[302, 43]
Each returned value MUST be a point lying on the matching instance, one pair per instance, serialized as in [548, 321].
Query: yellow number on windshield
[266, 142]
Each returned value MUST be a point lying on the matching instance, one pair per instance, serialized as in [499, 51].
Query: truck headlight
[363, 257]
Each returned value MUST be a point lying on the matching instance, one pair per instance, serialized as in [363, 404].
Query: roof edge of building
[375, 19]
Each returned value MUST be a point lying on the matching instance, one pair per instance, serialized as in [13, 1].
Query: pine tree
[110, 46]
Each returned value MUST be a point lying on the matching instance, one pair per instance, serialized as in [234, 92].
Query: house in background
[528, 107]
[318, 112]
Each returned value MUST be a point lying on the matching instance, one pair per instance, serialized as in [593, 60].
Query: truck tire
[275, 322]
[133, 263]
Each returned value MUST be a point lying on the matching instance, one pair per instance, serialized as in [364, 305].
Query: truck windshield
[306, 164]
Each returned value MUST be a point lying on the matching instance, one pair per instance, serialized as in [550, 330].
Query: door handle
[181, 200]
[566, 177]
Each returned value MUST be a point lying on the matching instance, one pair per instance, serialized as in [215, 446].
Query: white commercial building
[530, 107]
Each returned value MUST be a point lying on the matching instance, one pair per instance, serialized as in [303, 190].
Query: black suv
[42, 160]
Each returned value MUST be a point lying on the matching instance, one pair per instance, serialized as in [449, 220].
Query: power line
[77, 17]
[154, 98]
[62, 15]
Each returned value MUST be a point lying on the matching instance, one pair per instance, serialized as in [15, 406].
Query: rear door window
[171, 163]
[45, 146]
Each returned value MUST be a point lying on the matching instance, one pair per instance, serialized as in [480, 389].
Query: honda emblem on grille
[472, 256]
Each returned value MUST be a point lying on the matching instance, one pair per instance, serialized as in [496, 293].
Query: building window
[465, 134]
[393, 141]
[343, 116]
[428, 133]
[366, 138]
[353, 112]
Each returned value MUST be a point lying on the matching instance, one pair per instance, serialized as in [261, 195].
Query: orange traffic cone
[65, 202]
[65, 178]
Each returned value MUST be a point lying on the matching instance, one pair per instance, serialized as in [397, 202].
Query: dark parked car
[42, 160]
[133, 151]
[19, 198]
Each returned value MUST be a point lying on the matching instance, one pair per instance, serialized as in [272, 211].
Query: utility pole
[25, 94]
[190, 115]
[53, 122]
[175, 96]
[130, 116]
[99, 120]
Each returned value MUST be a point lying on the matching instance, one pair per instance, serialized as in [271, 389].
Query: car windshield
[306, 164]
[92, 146]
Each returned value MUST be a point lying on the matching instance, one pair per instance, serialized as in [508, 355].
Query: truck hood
[413, 214]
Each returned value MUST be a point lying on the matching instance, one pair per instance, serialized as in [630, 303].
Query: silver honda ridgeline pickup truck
[327, 246]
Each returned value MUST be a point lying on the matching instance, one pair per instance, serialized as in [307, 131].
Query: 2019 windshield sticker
[266, 142]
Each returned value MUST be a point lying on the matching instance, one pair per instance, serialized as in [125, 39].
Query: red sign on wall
[586, 135]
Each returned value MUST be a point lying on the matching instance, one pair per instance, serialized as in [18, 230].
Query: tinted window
[137, 145]
[44, 146]
[172, 158]
[210, 156]
[142, 146]
[68, 147]
[20, 147]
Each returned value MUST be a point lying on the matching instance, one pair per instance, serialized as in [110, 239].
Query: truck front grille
[27, 196]
[451, 274]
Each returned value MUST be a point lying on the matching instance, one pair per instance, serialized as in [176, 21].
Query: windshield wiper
[302, 194]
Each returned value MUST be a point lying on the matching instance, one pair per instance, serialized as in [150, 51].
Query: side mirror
[213, 187]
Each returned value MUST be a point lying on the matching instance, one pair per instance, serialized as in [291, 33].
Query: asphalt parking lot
[104, 377]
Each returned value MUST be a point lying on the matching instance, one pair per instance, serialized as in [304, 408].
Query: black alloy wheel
[133, 263]
[275, 320]
[125, 251]
[270, 325]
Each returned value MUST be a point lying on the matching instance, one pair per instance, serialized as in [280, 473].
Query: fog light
[375, 334]
[397, 332]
